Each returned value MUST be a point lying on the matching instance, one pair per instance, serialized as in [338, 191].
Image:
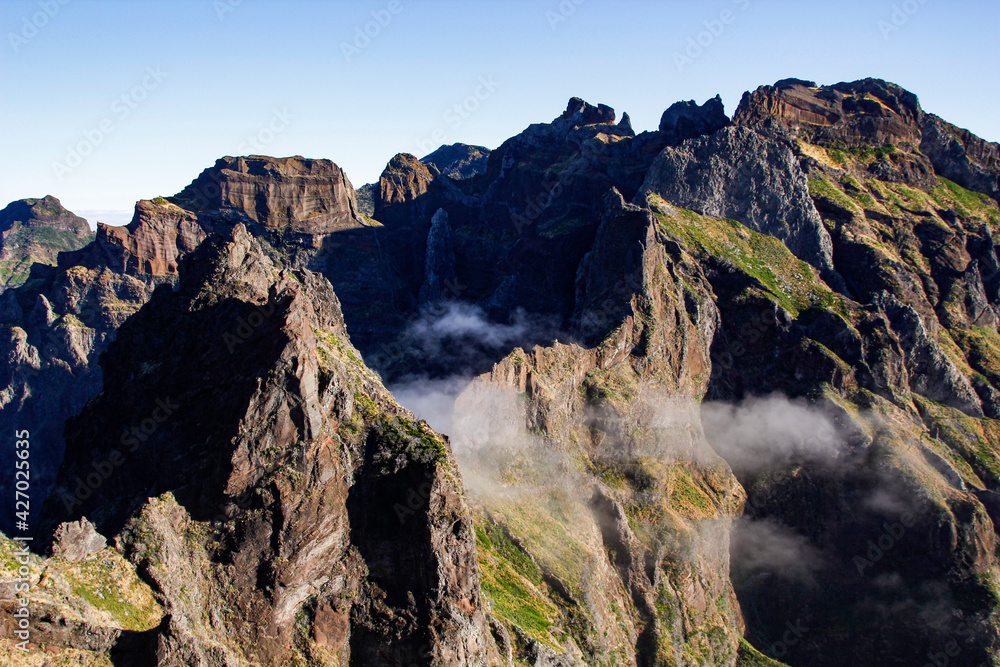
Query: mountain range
[722, 393]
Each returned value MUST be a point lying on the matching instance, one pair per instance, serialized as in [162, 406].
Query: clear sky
[104, 102]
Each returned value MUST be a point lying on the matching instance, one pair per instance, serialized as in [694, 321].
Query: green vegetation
[513, 584]
[981, 346]
[560, 226]
[545, 524]
[418, 441]
[8, 563]
[822, 188]
[332, 343]
[27, 243]
[365, 197]
[864, 155]
[365, 405]
[966, 437]
[107, 582]
[748, 656]
[766, 259]
[688, 497]
[902, 201]
[966, 203]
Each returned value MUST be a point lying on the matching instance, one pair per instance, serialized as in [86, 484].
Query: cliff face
[58, 324]
[735, 390]
[268, 504]
[521, 228]
[736, 173]
[590, 461]
[308, 196]
[36, 230]
[901, 355]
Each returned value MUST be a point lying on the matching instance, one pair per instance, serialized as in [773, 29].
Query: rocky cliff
[63, 318]
[36, 230]
[267, 501]
[722, 393]
[459, 161]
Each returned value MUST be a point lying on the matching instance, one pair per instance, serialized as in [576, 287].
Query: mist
[458, 340]
[764, 433]
[431, 399]
[765, 548]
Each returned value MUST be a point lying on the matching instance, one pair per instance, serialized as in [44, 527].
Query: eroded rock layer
[726, 395]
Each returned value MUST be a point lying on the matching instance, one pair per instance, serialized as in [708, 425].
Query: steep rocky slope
[55, 327]
[36, 230]
[726, 395]
[459, 161]
[590, 462]
[262, 504]
[901, 522]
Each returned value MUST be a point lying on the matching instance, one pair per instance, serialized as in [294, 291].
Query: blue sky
[106, 102]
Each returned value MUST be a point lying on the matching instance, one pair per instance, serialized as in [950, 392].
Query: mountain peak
[867, 111]
[36, 231]
[684, 120]
[295, 193]
[458, 160]
[579, 113]
[274, 444]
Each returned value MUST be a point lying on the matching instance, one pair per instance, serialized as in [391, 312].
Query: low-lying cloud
[769, 432]
[766, 548]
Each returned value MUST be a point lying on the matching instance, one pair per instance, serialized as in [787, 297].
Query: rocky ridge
[459, 161]
[36, 230]
[606, 527]
[267, 488]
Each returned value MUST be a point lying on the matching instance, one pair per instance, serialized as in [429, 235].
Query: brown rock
[77, 540]
[295, 193]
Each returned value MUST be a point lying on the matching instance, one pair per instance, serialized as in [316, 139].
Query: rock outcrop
[295, 194]
[266, 487]
[961, 156]
[58, 324]
[77, 540]
[687, 120]
[608, 437]
[734, 401]
[36, 230]
[737, 173]
[521, 228]
[866, 112]
[459, 161]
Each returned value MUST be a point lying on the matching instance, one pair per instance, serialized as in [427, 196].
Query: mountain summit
[721, 393]
[36, 230]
